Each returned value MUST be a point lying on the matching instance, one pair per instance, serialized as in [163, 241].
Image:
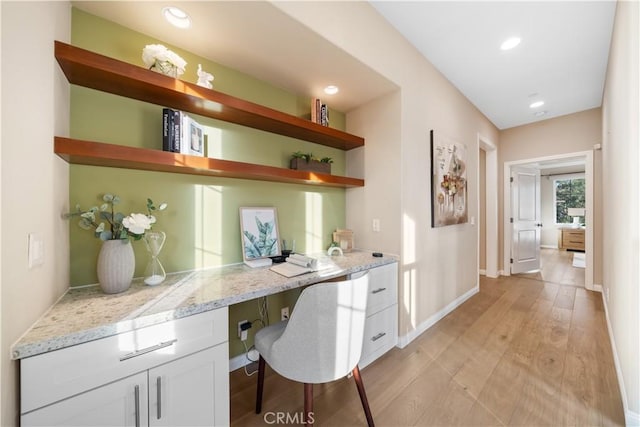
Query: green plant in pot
[307, 162]
[116, 261]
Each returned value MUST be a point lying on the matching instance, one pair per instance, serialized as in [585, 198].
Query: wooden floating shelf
[111, 155]
[95, 71]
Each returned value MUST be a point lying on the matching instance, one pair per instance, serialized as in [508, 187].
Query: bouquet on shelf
[160, 59]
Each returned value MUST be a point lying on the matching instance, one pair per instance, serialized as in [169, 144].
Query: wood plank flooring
[556, 266]
[521, 352]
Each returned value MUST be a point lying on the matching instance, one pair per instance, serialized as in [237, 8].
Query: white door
[121, 403]
[525, 218]
[191, 391]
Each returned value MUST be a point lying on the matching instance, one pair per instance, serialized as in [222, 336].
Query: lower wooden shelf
[119, 156]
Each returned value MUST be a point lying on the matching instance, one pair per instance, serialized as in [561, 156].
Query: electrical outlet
[284, 313]
[375, 225]
[607, 293]
[242, 332]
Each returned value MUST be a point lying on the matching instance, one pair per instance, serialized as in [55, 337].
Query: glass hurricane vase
[154, 274]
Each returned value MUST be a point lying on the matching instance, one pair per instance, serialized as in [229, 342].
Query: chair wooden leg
[308, 404]
[261, 368]
[363, 395]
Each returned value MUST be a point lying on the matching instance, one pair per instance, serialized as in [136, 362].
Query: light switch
[376, 225]
[36, 250]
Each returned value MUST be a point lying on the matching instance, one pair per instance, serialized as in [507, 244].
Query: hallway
[556, 266]
[520, 352]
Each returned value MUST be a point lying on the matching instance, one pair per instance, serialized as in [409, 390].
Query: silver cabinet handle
[378, 336]
[378, 290]
[136, 392]
[148, 349]
[159, 396]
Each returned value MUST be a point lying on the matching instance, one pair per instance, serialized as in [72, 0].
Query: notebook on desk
[297, 264]
[289, 269]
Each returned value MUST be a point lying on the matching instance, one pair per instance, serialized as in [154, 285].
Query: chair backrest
[323, 337]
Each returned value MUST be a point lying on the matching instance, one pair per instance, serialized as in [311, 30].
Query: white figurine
[204, 78]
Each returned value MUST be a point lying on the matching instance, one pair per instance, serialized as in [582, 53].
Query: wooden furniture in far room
[571, 238]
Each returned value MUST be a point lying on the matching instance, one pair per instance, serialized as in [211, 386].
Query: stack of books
[319, 112]
[181, 134]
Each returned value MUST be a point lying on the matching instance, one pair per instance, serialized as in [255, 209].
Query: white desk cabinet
[169, 374]
[381, 327]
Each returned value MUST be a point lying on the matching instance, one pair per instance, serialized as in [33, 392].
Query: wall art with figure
[448, 181]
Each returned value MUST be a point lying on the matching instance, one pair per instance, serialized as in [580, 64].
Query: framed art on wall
[448, 182]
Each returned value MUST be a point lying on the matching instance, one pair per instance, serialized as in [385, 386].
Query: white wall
[438, 266]
[379, 163]
[621, 189]
[34, 180]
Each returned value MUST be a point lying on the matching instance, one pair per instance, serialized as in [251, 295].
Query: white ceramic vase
[116, 264]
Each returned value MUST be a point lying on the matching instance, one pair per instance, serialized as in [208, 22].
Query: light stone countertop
[86, 314]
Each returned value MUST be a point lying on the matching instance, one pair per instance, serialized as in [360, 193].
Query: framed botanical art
[448, 182]
[259, 228]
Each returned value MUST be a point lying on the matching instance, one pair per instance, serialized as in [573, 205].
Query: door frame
[589, 194]
[491, 207]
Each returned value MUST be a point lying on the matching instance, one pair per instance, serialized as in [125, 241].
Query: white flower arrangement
[120, 227]
[158, 56]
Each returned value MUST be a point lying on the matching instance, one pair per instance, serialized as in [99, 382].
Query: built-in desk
[109, 357]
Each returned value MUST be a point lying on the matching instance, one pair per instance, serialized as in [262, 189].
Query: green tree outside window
[569, 194]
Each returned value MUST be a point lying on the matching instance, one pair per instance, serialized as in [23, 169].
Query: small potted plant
[306, 162]
[116, 261]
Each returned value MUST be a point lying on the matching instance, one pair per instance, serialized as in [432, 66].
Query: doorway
[554, 259]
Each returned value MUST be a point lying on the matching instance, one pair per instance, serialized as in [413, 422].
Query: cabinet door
[191, 391]
[121, 403]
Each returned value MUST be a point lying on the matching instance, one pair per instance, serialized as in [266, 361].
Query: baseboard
[549, 246]
[502, 273]
[631, 418]
[404, 340]
[238, 362]
[483, 272]
[597, 288]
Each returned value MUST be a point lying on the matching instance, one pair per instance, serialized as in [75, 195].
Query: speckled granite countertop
[86, 314]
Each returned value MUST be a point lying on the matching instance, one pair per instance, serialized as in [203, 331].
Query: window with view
[569, 193]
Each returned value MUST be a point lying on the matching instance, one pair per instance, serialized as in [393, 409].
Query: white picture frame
[259, 233]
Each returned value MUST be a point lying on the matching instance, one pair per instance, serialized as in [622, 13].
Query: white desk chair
[321, 341]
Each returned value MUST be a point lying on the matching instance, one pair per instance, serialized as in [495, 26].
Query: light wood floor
[520, 352]
[556, 266]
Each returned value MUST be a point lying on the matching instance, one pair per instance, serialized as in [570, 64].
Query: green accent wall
[201, 221]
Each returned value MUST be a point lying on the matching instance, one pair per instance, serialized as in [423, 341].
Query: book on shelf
[181, 134]
[319, 112]
[167, 128]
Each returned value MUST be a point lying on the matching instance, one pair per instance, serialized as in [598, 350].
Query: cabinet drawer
[380, 334]
[383, 289]
[574, 237]
[53, 376]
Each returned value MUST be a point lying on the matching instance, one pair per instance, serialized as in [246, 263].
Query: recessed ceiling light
[510, 43]
[536, 104]
[539, 113]
[176, 17]
[331, 90]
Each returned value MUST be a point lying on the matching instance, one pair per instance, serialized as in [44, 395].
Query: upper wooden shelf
[89, 69]
[112, 155]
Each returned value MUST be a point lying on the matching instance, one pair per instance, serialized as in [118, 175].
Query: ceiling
[256, 38]
[562, 58]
